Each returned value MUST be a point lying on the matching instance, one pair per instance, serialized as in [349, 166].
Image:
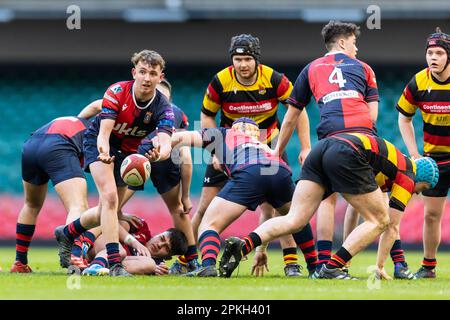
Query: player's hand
[216, 163]
[140, 249]
[187, 204]
[382, 274]
[161, 269]
[104, 155]
[275, 152]
[154, 154]
[303, 154]
[135, 221]
[260, 263]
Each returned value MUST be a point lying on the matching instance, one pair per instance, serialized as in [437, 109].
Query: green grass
[50, 282]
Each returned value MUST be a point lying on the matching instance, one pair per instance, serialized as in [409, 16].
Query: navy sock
[191, 253]
[324, 248]
[24, 234]
[101, 261]
[305, 241]
[397, 253]
[112, 249]
[74, 229]
[209, 247]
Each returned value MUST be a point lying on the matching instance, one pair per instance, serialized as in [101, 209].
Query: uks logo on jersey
[121, 128]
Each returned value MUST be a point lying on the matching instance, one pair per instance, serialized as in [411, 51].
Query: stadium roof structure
[183, 10]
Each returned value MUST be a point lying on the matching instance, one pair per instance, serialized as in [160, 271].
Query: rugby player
[355, 165]
[347, 96]
[140, 252]
[130, 111]
[53, 152]
[256, 176]
[248, 88]
[429, 90]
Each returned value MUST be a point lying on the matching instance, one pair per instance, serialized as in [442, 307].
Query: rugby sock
[77, 249]
[305, 241]
[339, 259]
[429, 264]
[191, 253]
[324, 248]
[290, 256]
[101, 261]
[74, 229]
[397, 254]
[251, 242]
[24, 233]
[112, 249]
[209, 247]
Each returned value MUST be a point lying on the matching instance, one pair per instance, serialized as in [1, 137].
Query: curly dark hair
[336, 29]
[178, 242]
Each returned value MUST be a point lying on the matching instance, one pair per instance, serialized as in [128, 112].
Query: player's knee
[110, 199]
[383, 222]
[432, 215]
[178, 212]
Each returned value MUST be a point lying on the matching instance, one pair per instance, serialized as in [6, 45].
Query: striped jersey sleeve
[407, 105]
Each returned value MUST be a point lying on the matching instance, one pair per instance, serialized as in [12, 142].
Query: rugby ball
[135, 170]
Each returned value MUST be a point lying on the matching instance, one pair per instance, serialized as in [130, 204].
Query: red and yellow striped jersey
[433, 99]
[394, 172]
[258, 101]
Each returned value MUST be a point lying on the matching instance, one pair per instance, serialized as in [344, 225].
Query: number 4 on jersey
[337, 77]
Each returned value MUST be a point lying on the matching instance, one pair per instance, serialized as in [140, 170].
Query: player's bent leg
[325, 229]
[287, 243]
[208, 193]
[434, 209]
[34, 199]
[219, 215]
[376, 219]
[73, 194]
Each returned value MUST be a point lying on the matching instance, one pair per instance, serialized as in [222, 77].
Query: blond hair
[149, 57]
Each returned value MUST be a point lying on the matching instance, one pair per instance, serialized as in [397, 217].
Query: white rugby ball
[135, 170]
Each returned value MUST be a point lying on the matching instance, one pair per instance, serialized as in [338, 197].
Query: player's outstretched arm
[406, 127]
[186, 178]
[373, 110]
[106, 126]
[187, 138]
[92, 109]
[207, 121]
[287, 128]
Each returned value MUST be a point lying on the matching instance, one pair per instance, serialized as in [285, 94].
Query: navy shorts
[338, 167]
[441, 188]
[216, 178]
[165, 175]
[91, 154]
[250, 188]
[49, 157]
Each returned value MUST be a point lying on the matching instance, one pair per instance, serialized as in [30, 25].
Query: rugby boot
[293, 270]
[65, 247]
[424, 273]
[402, 272]
[209, 271]
[337, 274]
[231, 257]
[19, 267]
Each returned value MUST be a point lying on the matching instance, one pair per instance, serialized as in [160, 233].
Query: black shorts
[49, 157]
[441, 188]
[91, 154]
[338, 167]
[250, 188]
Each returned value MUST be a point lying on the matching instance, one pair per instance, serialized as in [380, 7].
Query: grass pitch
[50, 282]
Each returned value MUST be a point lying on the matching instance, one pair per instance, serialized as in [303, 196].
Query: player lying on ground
[344, 163]
[256, 177]
[140, 252]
